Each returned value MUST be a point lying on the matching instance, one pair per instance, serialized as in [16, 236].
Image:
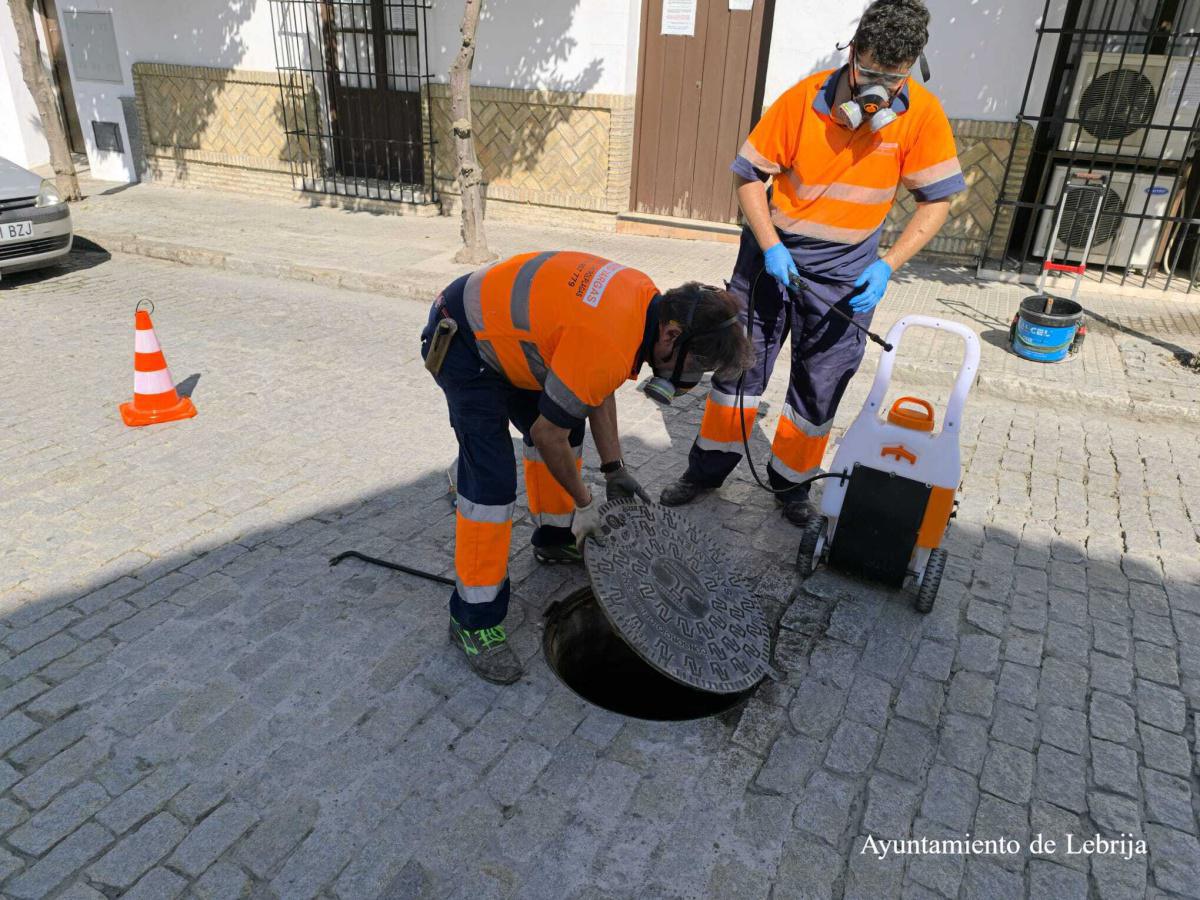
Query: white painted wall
[566, 45]
[979, 50]
[21, 138]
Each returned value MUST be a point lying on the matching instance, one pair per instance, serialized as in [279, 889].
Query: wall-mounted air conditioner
[1115, 99]
[1119, 241]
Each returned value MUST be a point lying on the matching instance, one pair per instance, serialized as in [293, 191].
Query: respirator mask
[872, 95]
[671, 382]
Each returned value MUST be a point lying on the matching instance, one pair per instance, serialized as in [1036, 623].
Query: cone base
[134, 417]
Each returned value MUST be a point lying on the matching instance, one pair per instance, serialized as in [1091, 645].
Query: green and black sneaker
[487, 652]
[558, 555]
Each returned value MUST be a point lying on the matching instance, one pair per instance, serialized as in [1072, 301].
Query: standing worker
[835, 147]
[543, 341]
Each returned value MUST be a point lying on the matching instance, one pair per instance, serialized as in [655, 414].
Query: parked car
[35, 223]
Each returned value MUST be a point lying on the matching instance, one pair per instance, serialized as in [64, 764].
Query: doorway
[57, 50]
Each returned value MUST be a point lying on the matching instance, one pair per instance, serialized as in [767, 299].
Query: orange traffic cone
[154, 396]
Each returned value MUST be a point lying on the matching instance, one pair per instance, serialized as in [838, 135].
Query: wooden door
[698, 97]
[372, 50]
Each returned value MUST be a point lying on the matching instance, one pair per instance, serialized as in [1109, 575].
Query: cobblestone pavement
[191, 701]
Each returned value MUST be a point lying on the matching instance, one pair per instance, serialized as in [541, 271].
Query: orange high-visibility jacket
[569, 324]
[837, 185]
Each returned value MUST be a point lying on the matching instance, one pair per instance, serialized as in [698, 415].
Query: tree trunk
[470, 178]
[44, 95]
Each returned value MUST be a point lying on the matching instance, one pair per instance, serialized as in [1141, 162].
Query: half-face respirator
[669, 383]
[872, 103]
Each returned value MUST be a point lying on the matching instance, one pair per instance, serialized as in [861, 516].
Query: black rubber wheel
[931, 581]
[806, 558]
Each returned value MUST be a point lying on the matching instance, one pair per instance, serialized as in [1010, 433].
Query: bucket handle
[966, 373]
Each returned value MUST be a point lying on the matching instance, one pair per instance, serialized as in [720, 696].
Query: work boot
[680, 492]
[798, 510]
[487, 652]
[558, 555]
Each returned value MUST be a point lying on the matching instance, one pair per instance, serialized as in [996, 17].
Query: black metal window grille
[353, 78]
[1121, 98]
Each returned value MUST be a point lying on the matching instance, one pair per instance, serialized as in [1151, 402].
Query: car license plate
[15, 231]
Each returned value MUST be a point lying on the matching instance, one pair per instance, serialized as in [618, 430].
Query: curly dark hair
[894, 32]
[725, 350]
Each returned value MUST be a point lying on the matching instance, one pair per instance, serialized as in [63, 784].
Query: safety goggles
[892, 79]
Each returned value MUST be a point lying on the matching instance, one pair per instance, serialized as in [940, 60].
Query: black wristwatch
[615, 466]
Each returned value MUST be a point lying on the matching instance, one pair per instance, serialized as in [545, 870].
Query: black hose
[428, 576]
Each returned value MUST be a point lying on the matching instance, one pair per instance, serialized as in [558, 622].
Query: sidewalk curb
[409, 284]
[422, 287]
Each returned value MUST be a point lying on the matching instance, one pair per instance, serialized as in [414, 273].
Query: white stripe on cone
[153, 382]
[144, 341]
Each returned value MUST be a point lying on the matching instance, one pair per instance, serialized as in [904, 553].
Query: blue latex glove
[780, 264]
[874, 282]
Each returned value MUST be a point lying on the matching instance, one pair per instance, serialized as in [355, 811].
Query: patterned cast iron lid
[663, 584]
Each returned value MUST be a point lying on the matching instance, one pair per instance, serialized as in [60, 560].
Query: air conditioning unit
[1119, 241]
[1115, 99]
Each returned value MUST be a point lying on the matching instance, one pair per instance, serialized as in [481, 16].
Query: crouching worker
[543, 341]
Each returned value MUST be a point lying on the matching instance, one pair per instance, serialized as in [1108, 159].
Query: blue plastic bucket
[1046, 336]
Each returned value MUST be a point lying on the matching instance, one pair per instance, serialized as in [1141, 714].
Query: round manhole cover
[667, 590]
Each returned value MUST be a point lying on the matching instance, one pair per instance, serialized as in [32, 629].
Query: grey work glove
[586, 522]
[621, 485]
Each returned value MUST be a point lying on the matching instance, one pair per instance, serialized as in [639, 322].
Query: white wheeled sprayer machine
[893, 481]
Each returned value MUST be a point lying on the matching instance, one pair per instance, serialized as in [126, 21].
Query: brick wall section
[209, 127]
[983, 149]
[548, 148]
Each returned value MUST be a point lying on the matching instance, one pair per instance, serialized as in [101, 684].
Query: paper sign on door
[679, 17]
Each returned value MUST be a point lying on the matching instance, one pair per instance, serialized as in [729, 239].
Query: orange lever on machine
[900, 453]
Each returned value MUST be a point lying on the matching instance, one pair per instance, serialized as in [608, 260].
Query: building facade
[585, 111]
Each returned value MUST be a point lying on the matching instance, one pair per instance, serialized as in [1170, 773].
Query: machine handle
[910, 418]
[900, 453]
[966, 372]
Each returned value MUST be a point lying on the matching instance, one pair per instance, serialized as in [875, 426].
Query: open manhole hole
[595, 662]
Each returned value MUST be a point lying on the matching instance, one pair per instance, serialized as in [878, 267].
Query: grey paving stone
[808, 869]
[1114, 814]
[516, 771]
[224, 881]
[122, 866]
[988, 881]
[21, 692]
[868, 877]
[997, 820]
[940, 873]
[60, 863]
[1018, 684]
[1023, 649]
[59, 773]
[1068, 606]
[1015, 725]
[14, 728]
[51, 741]
[1114, 768]
[199, 798]
[824, 808]
[869, 701]
[212, 837]
[1118, 878]
[963, 743]
[1061, 777]
[1112, 674]
[950, 798]
[284, 826]
[1165, 751]
[986, 617]
[157, 884]
[68, 811]
[1112, 639]
[1008, 773]
[920, 699]
[979, 653]
[852, 748]
[933, 660]
[789, 764]
[1053, 823]
[1063, 683]
[1111, 719]
[891, 806]
[1174, 859]
[817, 708]
[1168, 800]
[37, 656]
[1160, 706]
[1156, 663]
[1065, 728]
[1154, 629]
[1048, 879]
[78, 891]
[907, 749]
[972, 694]
[1066, 641]
[140, 801]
